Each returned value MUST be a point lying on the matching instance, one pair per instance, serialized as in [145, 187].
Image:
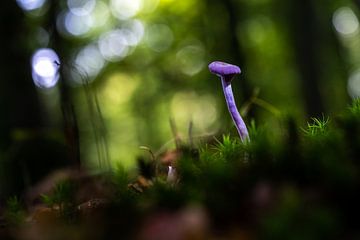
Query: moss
[301, 186]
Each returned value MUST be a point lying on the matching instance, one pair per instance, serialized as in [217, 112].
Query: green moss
[301, 186]
[15, 212]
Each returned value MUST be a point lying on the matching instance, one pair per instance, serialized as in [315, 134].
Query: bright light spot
[81, 7]
[189, 106]
[77, 25]
[113, 45]
[257, 29]
[89, 61]
[354, 84]
[45, 68]
[167, 1]
[191, 59]
[124, 9]
[29, 5]
[133, 31]
[119, 89]
[115, 93]
[345, 21]
[159, 37]
[150, 5]
[100, 14]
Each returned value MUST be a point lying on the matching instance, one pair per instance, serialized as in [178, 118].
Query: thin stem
[230, 101]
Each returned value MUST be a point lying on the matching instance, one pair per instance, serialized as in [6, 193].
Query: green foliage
[62, 198]
[228, 148]
[14, 212]
[301, 186]
[121, 179]
[309, 184]
[355, 107]
[291, 219]
[254, 131]
[317, 127]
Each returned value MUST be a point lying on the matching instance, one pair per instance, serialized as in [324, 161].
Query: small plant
[355, 107]
[269, 188]
[14, 213]
[228, 148]
[121, 179]
[62, 199]
[317, 127]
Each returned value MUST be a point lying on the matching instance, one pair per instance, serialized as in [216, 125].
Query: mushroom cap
[223, 69]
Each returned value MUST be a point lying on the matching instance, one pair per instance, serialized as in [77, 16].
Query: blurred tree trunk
[70, 124]
[224, 26]
[19, 102]
[237, 55]
[35, 153]
[305, 28]
[357, 3]
[18, 99]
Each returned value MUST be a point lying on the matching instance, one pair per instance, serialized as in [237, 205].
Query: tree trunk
[304, 30]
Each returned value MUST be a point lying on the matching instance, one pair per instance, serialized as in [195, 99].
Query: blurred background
[92, 80]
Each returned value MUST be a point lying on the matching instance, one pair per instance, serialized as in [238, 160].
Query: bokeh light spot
[113, 45]
[159, 37]
[191, 59]
[81, 7]
[354, 84]
[150, 5]
[124, 9]
[100, 14]
[133, 32]
[45, 68]
[115, 94]
[187, 106]
[77, 25]
[257, 29]
[29, 5]
[89, 61]
[119, 89]
[345, 21]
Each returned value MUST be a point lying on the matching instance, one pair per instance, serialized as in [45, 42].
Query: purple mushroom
[226, 73]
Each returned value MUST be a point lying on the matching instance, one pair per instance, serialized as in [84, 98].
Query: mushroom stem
[171, 177]
[230, 101]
